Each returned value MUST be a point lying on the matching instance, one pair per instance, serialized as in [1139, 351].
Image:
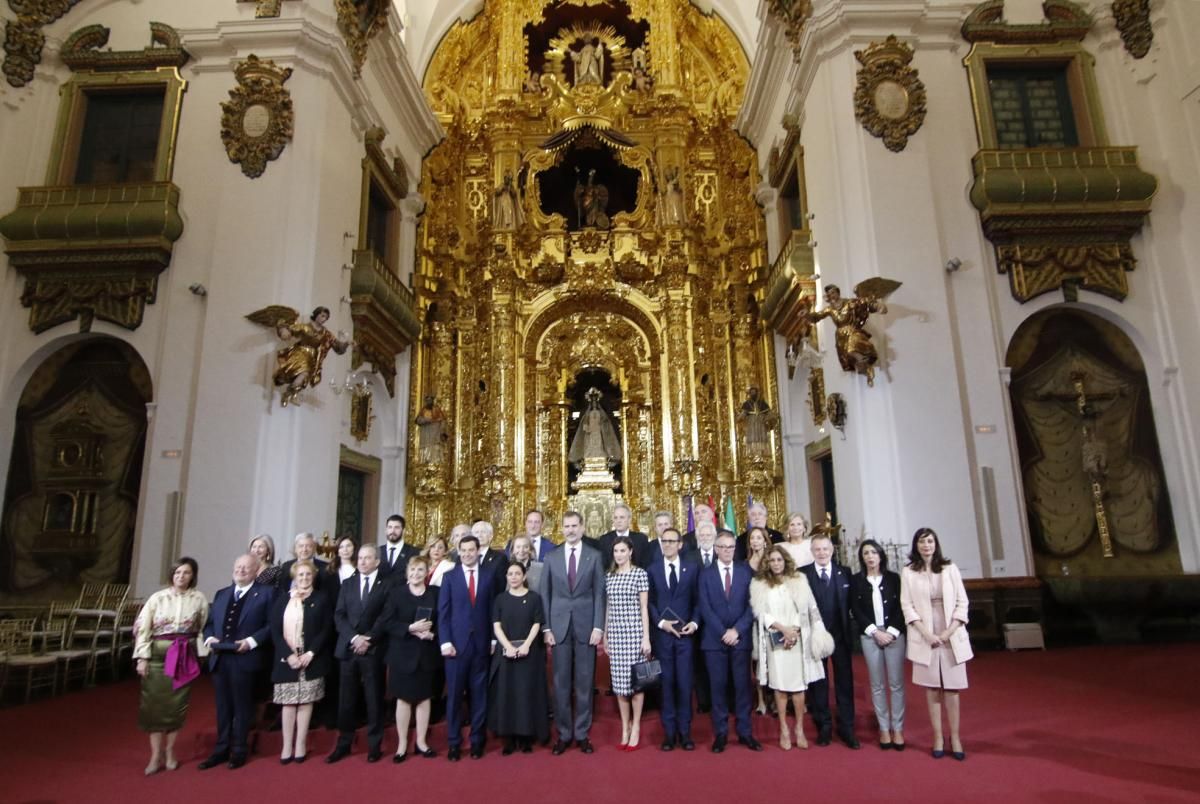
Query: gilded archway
[599, 220]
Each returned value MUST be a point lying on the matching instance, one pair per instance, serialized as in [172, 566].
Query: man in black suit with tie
[238, 624]
[830, 584]
[360, 650]
[724, 599]
[757, 516]
[304, 548]
[621, 518]
[705, 555]
[673, 618]
[394, 553]
[491, 558]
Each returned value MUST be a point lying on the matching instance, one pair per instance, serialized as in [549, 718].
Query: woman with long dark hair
[875, 602]
[935, 607]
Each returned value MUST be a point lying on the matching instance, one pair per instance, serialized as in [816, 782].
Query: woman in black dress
[517, 700]
[412, 655]
[302, 633]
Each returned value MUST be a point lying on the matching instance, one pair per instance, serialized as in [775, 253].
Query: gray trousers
[885, 666]
[574, 672]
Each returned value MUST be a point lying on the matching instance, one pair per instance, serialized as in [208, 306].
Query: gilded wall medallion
[1132, 18]
[257, 120]
[361, 416]
[889, 100]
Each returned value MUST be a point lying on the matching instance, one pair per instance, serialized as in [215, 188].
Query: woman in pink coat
[935, 607]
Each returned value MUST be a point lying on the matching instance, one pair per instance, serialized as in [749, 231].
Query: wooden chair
[129, 613]
[106, 647]
[16, 644]
[57, 640]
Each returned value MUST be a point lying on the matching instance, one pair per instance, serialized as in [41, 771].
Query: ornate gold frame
[889, 99]
[358, 30]
[361, 416]
[251, 141]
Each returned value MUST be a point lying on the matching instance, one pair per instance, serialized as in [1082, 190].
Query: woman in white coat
[934, 601]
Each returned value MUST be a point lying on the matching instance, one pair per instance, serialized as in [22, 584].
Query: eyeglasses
[725, 546]
[668, 541]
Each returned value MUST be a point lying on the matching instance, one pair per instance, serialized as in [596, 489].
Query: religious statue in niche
[591, 202]
[506, 206]
[533, 83]
[641, 70]
[758, 420]
[431, 431]
[589, 63]
[672, 210]
[596, 437]
[298, 365]
[855, 351]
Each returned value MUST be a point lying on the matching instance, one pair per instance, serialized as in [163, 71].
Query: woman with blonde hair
[792, 640]
[797, 540]
[302, 632]
[262, 547]
[437, 554]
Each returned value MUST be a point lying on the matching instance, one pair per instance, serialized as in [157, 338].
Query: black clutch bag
[424, 613]
[646, 675]
[776, 639]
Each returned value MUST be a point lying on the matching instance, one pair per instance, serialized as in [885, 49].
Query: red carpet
[1099, 724]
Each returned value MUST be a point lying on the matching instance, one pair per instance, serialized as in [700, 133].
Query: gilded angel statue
[298, 364]
[854, 348]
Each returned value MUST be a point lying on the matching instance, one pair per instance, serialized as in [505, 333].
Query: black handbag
[646, 675]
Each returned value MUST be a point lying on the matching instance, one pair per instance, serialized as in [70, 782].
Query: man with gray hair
[304, 548]
[491, 557]
[757, 516]
[622, 516]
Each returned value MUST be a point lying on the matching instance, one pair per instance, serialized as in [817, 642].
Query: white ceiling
[426, 22]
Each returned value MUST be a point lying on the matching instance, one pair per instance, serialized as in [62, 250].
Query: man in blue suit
[238, 624]
[725, 611]
[672, 603]
[830, 583]
[465, 634]
[542, 546]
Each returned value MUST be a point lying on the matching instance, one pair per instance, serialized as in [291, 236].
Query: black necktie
[707, 559]
[824, 575]
[391, 556]
[672, 579]
[366, 587]
[237, 595]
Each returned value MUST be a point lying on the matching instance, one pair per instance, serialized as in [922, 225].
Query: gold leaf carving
[889, 100]
[257, 120]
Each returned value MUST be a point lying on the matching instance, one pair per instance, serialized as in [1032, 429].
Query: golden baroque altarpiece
[651, 272]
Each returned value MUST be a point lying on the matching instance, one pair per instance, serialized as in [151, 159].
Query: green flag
[730, 521]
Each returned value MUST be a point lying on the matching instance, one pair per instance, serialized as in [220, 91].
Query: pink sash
[181, 663]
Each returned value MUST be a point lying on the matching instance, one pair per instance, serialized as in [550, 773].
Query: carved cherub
[298, 365]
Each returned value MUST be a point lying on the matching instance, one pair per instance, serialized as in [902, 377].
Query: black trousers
[361, 675]
[843, 685]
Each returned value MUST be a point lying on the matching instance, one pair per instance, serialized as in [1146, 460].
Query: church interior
[287, 266]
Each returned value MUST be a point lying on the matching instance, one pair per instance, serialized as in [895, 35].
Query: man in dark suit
[672, 604]
[621, 517]
[360, 649]
[394, 553]
[304, 548]
[533, 529]
[830, 584]
[757, 516]
[465, 634]
[724, 599]
[238, 624]
[491, 558]
[572, 592]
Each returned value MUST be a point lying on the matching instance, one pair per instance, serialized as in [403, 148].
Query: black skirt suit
[412, 662]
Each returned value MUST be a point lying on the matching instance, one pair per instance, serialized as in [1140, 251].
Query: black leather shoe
[751, 743]
[850, 740]
[477, 752]
[938, 753]
[961, 756]
[585, 745]
[824, 738]
[898, 746]
[213, 761]
[337, 755]
[885, 746]
[375, 756]
[454, 754]
[668, 745]
[398, 758]
[560, 746]
[236, 762]
[299, 759]
[285, 760]
[718, 745]
[686, 744]
[428, 753]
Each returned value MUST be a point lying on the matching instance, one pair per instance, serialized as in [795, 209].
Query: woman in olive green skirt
[167, 647]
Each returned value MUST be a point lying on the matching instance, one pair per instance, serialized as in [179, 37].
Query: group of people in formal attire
[767, 616]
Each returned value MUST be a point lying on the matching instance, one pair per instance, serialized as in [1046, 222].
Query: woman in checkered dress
[626, 635]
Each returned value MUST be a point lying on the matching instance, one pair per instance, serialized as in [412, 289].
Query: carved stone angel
[854, 348]
[298, 365]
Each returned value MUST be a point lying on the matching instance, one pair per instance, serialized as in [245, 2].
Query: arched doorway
[1091, 468]
[70, 505]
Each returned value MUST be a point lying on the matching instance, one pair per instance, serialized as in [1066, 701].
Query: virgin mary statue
[596, 436]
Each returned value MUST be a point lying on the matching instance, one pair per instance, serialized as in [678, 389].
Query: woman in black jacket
[875, 602]
[413, 658]
[302, 630]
